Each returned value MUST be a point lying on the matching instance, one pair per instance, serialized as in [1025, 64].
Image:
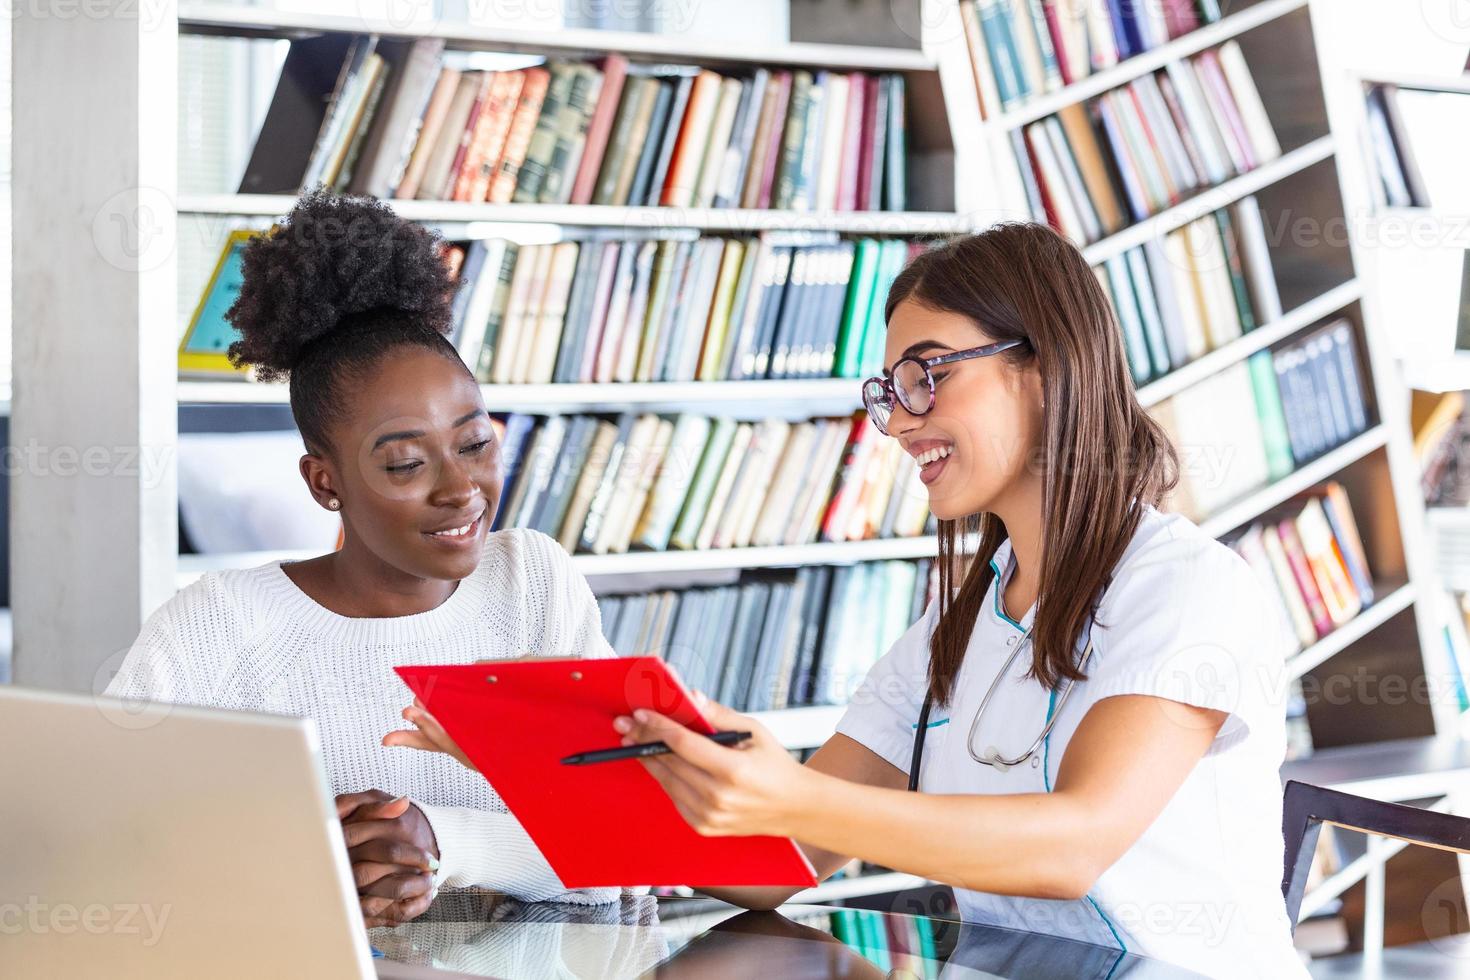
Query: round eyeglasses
[911, 385]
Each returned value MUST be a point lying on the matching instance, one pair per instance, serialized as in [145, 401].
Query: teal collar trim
[932, 724]
[998, 585]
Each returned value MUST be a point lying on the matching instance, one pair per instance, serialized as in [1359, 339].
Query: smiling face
[416, 466]
[976, 444]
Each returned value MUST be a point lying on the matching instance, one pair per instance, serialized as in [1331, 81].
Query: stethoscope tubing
[992, 757]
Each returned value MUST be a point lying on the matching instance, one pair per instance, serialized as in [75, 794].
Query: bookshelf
[1311, 176]
[1232, 190]
[1411, 261]
[965, 168]
[1209, 36]
[1414, 252]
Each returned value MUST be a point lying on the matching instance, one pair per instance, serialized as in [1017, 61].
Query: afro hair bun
[333, 257]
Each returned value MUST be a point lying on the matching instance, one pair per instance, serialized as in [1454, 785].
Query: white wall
[1428, 37]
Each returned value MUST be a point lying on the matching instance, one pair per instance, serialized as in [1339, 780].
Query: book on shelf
[1411, 164]
[1145, 146]
[1195, 290]
[1022, 49]
[647, 483]
[406, 119]
[1309, 558]
[604, 308]
[1390, 155]
[1256, 421]
[784, 638]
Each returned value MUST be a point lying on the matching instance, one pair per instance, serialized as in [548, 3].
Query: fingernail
[433, 864]
[700, 698]
[622, 723]
[640, 715]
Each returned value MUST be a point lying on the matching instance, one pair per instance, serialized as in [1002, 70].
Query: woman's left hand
[753, 788]
[429, 736]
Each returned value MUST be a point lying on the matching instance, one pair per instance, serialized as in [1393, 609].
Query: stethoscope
[991, 756]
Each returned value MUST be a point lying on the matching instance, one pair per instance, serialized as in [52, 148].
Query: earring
[334, 504]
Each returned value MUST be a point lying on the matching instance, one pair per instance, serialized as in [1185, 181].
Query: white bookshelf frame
[739, 220]
[1342, 92]
[233, 20]
[814, 396]
[191, 567]
[1309, 474]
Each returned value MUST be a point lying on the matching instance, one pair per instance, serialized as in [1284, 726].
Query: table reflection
[482, 934]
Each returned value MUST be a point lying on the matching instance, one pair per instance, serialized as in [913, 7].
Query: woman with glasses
[1082, 735]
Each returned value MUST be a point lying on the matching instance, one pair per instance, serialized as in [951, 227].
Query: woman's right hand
[429, 735]
[393, 852]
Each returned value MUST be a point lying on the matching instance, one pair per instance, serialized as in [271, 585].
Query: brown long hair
[1024, 281]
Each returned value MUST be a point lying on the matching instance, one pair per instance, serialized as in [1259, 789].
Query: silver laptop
[161, 841]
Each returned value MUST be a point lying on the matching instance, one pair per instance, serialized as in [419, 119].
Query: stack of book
[608, 485]
[1307, 398]
[1020, 49]
[405, 119]
[1200, 287]
[673, 308]
[775, 639]
[1310, 559]
[1130, 153]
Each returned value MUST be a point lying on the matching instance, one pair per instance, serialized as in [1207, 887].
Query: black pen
[644, 749]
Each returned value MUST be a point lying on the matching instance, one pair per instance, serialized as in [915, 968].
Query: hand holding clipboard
[605, 824]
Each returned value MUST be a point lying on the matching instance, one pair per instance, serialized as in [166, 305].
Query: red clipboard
[607, 824]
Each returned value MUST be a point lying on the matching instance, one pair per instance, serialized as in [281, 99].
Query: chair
[1305, 808]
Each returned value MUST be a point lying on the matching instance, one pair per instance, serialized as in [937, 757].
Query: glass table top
[484, 934]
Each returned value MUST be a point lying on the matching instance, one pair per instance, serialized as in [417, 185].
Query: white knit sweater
[251, 640]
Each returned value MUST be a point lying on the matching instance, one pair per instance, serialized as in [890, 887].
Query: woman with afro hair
[352, 304]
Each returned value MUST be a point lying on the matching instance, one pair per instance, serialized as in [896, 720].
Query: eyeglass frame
[885, 380]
